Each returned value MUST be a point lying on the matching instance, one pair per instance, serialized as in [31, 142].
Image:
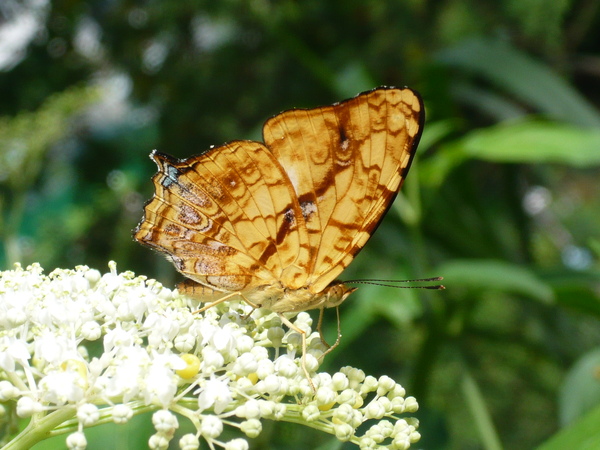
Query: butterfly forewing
[346, 163]
[291, 213]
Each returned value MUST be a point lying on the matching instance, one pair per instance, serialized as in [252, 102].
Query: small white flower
[236, 444]
[127, 372]
[246, 384]
[410, 404]
[325, 395]
[160, 384]
[345, 413]
[76, 441]
[205, 330]
[245, 364]
[415, 437]
[261, 353]
[184, 342]
[294, 341]
[224, 340]
[279, 411]
[273, 385]
[398, 391]
[386, 384]
[350, 397]
[339, 381]
[374, 410]
[265, 368]
[7, 391]
[213, 368]
[311, 413]
[215, 394]
[402, 426]
[322, 379]
[158, 441]
[60, 387]
[385, 403]
[355, 376]
[376, 433]
[54, 348]
[267, 408]
[189, 442]
[12, 350]
[88, 414]
[27, 406]
[161, 329]
[16, 316]
[244, 344]
[369, 385]
[312, 363]
[286, 366]
[343, 431]
[165, 421]
[357, 418]
[275, 335]
[118, 338]
[122, 414]
[367, 443]
[401, 442]
[304, 322]
[251, 427]
[212, 360]
[211, 427]
[386, 428]
[91, 330]
[249, 410]
[92, 275]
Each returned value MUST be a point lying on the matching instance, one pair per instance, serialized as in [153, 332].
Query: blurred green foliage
[503, 200]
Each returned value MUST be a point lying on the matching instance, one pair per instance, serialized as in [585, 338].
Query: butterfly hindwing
[225, 218]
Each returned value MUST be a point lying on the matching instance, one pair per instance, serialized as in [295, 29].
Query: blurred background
[502, 200]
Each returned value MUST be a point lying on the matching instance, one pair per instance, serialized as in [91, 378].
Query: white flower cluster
[229, 366]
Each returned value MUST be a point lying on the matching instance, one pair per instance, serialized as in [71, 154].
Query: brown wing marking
[174, 226]
[287, 254]
[346, 163]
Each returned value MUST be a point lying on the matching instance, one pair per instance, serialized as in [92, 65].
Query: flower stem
[39, 429]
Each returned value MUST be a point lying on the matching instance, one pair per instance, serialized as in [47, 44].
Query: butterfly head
[336, 293]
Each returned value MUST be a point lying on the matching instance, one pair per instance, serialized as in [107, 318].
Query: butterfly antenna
[394, 283]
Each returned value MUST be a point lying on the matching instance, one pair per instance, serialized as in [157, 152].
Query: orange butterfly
[275, 223]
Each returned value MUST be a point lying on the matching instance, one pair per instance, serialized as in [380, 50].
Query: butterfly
[275, 223]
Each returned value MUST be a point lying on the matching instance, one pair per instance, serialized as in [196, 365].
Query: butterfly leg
[254, 308]
[302, 333]
[320, 329]
[339, 333]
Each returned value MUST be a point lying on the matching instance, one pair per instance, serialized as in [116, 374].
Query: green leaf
[435, 132]
[526, 78]
[434, 171]
[480, 412]
[492, 274]
[582, 435]
[580, 391]
[534, 141]
[575, 289]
